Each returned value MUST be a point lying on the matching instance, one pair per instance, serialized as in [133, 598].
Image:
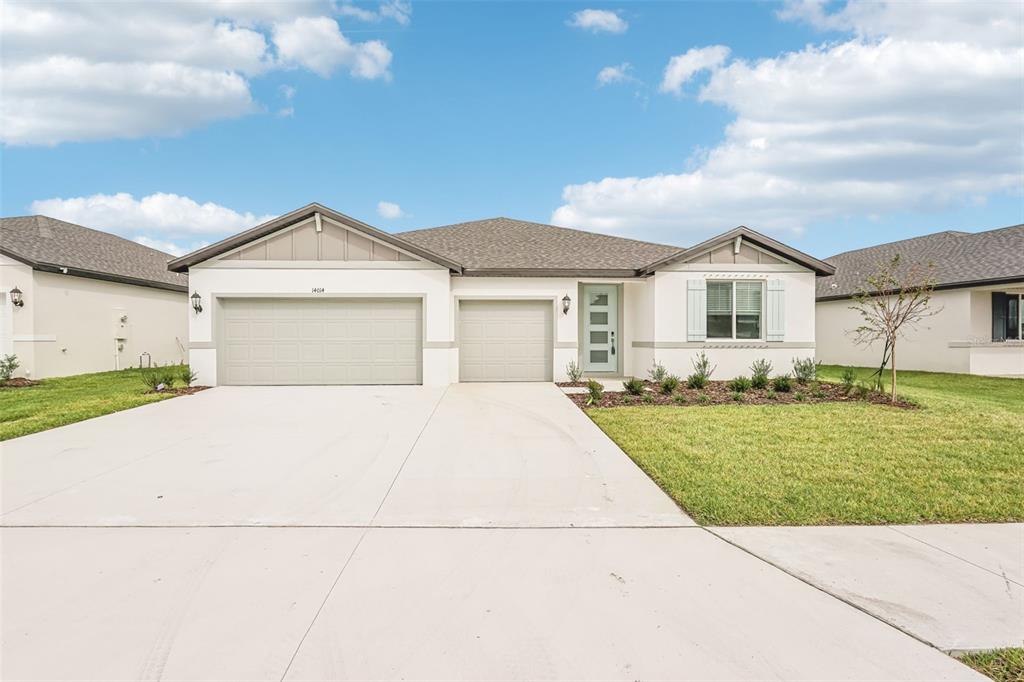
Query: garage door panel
[505, 341]
[327, 341]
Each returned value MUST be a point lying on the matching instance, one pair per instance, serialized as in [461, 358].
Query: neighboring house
[90, 301]
[316, 297]
[980, 291]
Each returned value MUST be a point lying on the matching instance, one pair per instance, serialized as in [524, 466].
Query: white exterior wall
[669, 345]
[70, 325]
[957, 339]
[267, 278]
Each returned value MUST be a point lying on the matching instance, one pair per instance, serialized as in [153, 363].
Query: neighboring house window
[1007, 318]
[734, 309]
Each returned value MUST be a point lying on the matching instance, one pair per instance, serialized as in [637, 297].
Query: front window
[734, 309]
[1007, 317]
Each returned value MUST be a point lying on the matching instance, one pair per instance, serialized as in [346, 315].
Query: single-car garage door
[505, 340]
[320, 341]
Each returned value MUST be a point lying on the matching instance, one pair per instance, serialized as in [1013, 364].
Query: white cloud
[163, 221]
[865, 126]
[386, 209]
[396, 10]
[318, 44]
[598, 21]
[620, 73]
[93, 71]
[683, 67]
[169, 247]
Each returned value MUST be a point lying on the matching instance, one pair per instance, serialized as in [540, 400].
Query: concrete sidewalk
[957, 587]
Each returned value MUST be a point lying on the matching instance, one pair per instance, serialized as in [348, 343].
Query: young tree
[895, 298]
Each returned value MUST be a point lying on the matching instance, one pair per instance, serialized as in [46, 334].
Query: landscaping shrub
[669, 384]
[166, 375]
[805, 370]
[771, 395]
[703, 399]
[818, 393]
[740, 385]
[781, 384]
[648, 397]
[595, 391]
[737, 396]
[633, 386]
[759, 373]
[8, 364]
[798, 396]
[657, 372]
[680, 398]
[151, 379]
[702, 370]
[849, 378]
[185, 375]
[574, 371]
[862, 390]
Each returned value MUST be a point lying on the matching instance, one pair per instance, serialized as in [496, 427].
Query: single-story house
[979, 294]
[317, 297]
[75, 300]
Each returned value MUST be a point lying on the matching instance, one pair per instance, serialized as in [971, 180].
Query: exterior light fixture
[566, 302]
[197, 303]
[16, 297]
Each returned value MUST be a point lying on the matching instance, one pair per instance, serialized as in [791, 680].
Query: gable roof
[52, 245]
[223, 246]
[821, 268]
[960, 259]
[503, 246]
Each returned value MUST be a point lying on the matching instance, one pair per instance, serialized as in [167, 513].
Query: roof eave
[213, 250]
[820, 267]
[617, 273]
[938, 287]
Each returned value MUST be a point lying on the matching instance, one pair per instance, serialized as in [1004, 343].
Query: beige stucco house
[979, 294]
[89, 301]
[317, 297]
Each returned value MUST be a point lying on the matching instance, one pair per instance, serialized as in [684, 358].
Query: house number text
[318, 290]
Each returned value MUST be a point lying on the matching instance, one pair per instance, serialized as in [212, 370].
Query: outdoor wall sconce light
[197, 303]
[16, 297]
[566, 302]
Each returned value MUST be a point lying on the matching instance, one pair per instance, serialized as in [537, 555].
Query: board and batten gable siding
[304, 242]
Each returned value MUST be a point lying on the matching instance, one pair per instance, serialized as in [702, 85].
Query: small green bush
[595, 391]
[849, 378]
[628, 399]
[167, 374]
[771, 395]
[151, 379]
[185, 375]
[633, 386]
[703, 399]
[740, 385]
[702, 371]
[818, 394]
[862, 390]
[648, 397]
[669, 384]
[781, 384]
[737, 396]
[805, 370]
[8, 364]
[759, 373]
[679, 398]
[574, 371]
[798, 396]
[657, 372]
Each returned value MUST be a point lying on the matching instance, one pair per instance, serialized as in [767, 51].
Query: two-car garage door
[320, 341]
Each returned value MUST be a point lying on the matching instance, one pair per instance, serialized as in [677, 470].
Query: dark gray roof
[959, 258]
[52, 245]
[516, 247]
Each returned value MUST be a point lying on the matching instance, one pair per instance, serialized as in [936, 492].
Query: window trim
[762, 331]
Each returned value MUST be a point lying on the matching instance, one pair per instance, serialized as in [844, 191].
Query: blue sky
[815, 128]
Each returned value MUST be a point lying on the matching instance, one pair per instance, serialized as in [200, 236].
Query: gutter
[938, 287]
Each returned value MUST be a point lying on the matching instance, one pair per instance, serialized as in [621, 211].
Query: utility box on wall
[121, 326]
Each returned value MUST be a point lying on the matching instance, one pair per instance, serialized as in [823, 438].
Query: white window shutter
[776, 310]
[696, 310]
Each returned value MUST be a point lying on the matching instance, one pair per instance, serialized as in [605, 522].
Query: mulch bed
[719, 393]
[18, 382]
[182, 390]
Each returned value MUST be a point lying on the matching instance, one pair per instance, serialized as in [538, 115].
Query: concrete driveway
[478, 532]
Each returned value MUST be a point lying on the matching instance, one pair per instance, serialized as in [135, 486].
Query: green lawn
[959, 458]
[1002, 665]
[56, 402]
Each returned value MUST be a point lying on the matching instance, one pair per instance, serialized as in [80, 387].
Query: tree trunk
[892, 359]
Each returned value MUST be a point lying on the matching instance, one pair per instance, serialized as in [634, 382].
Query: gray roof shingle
[959, 259]
[49, 244]
[496, 245]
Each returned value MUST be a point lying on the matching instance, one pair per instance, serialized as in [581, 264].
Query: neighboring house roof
[213, 250]
[503, 246]
[53, 245]
[821, 268]
[959, 259]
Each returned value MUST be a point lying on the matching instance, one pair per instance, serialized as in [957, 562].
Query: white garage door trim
[505, 339]
[328, 340]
